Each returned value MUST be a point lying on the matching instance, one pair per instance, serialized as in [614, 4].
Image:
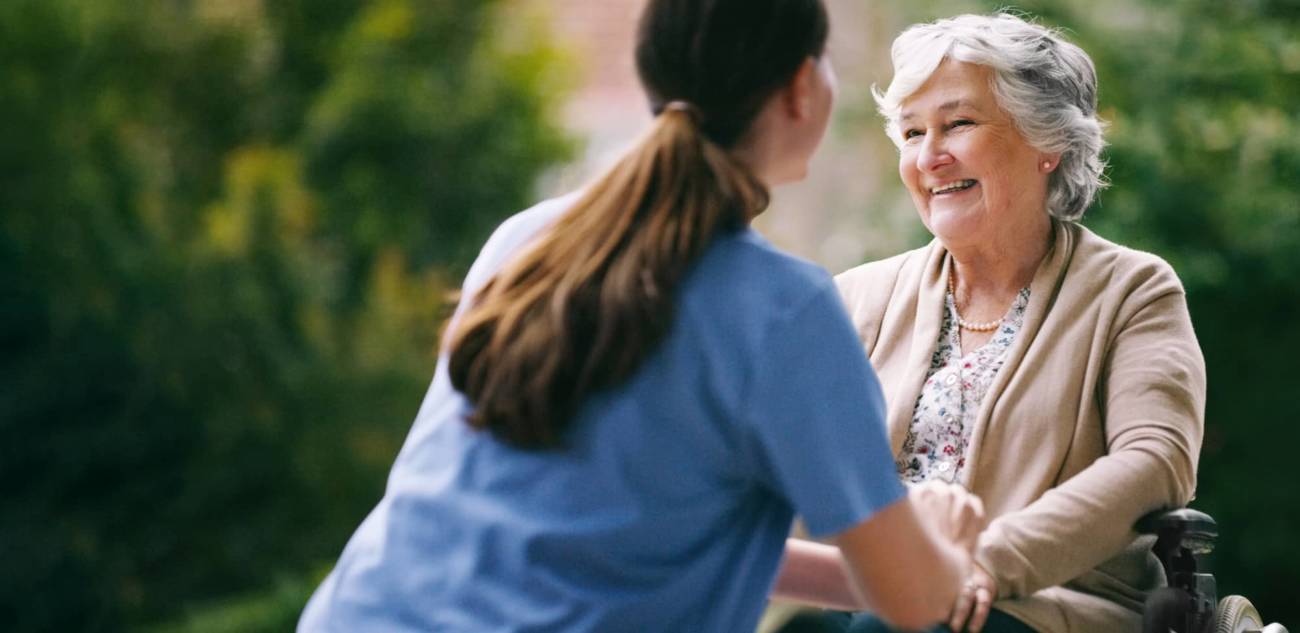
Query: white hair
[1047, 85]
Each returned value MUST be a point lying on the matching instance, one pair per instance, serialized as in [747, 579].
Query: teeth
[953, 186]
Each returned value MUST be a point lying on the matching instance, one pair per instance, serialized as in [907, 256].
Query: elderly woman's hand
[972, 607]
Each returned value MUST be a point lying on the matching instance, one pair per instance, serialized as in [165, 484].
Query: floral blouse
[955, 386]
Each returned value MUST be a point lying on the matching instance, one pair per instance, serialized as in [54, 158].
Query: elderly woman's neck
[1004, 265]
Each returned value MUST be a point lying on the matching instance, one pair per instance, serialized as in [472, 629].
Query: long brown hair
[582, 307]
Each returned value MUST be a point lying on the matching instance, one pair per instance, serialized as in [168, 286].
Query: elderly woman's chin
[954, 221]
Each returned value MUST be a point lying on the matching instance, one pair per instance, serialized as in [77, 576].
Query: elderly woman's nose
[933, 154]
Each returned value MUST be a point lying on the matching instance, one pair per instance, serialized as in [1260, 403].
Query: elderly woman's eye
[911, 134]
[962, 122]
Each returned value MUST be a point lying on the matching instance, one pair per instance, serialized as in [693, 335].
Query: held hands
[958, 516]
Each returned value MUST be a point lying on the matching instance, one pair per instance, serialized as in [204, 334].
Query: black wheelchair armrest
[1181, 520]
[1182, 528]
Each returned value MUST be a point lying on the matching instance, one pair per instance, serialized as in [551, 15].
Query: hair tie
[691, 110]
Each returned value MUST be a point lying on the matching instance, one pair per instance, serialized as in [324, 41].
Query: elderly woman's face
[969, 171]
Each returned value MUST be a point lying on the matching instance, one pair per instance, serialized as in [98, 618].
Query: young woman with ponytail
[638, 392]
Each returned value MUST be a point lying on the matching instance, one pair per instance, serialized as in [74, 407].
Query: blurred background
[228, 228]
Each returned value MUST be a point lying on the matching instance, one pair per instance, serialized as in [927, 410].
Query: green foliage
[272, 611]
[225, 235]
[1206, 167]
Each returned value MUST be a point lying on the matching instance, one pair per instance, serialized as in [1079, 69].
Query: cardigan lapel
[925, 336]
[1043, 291]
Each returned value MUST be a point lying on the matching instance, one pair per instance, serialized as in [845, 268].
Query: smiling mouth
[953, 187]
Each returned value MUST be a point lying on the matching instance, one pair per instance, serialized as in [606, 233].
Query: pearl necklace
[988, 326]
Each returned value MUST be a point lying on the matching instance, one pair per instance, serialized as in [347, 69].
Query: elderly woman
[1050, 371]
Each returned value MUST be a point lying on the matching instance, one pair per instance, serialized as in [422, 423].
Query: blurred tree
[226, 229]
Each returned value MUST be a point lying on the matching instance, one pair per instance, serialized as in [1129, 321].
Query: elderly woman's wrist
[984, 560]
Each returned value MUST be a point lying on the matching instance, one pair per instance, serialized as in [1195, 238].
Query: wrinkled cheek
[909, 176]
[922, 209]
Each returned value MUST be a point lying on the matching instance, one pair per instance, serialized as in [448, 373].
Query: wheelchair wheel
[1237, 615]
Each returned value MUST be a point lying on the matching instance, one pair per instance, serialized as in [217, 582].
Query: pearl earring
[1047, 165]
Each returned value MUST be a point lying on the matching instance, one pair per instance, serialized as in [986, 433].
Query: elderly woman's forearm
[1082, 523]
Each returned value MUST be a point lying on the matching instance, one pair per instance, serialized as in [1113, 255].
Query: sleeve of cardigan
[1153, 396]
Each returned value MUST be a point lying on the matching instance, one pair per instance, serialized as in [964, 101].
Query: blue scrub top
[668, 507]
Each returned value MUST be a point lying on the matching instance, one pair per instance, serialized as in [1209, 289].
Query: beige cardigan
[1094, 419]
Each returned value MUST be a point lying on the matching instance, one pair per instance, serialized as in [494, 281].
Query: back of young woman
[639, 392]
[670, 502]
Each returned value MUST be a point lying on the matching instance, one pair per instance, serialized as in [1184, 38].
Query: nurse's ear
[799, 93]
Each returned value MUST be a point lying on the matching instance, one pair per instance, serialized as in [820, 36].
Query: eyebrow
[944, 107]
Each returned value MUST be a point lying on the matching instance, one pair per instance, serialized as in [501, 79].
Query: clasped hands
[959, 516]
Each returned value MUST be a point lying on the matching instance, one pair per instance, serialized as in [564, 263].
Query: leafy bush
[226, 233]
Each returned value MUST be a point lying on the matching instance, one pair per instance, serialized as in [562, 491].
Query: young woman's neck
[759, 154]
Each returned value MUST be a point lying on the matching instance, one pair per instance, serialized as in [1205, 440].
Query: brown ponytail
[583, 306]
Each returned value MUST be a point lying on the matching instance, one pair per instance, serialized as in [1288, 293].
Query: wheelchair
[1189, 603]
